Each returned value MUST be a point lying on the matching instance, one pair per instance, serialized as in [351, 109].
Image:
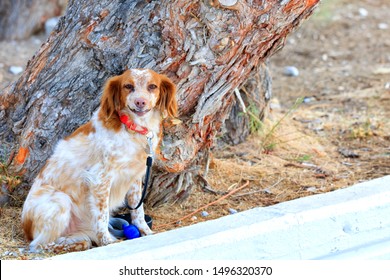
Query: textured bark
[206, 48]
[21, 18]
[256, 92]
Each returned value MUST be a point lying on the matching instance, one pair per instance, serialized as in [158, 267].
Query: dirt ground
[338, 136]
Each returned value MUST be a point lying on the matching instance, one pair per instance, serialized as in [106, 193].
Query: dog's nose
[140, 103]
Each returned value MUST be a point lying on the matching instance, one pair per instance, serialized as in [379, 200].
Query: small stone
[291, 71]
[311, 189]
[204, 214]
[228, 3]
[16, 70]
[363, 12]
[348, 153]
[14, 254]
[387, 85]
[382, 71]
[194, 218]
[232, 211]
[37, 41]
[267, 191]
[50, 24]
[308, 99]
[341, 88]
[383, 26]
[275, 105]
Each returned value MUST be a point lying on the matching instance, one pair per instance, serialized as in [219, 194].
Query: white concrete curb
[352, 223]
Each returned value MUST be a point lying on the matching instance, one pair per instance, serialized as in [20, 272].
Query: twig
[248, 193]
[206, 170]
[204, 207]
[238, 95]
[206, 186]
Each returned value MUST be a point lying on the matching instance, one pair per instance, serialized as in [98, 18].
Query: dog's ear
[112, 100]
[167, 98]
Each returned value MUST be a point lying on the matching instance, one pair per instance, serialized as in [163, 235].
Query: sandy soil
[338, 136]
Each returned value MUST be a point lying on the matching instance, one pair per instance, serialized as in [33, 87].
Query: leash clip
[149, 138]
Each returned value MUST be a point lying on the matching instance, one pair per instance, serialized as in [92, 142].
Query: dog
[93, 170]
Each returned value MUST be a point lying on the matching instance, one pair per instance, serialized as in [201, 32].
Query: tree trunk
[207, 48]
[255, 94]
[21, 18]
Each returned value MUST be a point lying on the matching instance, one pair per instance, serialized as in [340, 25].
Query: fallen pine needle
[204, 207]
[248, 193]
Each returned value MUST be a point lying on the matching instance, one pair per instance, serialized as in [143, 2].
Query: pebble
[194, 218]
[311, 189]
[228, 3]
[204, 214]
[10, 254]
[383, 26]
[308, 99]
[50, 24]
[232, 211]
[16, 70]
[348, 153]
[363, 12]
[267, 191]
[387, 85]
[291, 71]
[382, 71]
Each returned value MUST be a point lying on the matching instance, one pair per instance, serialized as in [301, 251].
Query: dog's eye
[129, 87]
[152, 87]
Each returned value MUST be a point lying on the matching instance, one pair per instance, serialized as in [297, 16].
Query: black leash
[149, 163]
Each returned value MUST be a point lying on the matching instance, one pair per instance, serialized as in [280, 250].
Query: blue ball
[131, 231]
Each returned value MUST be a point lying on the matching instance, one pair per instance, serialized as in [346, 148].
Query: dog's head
[137, 92]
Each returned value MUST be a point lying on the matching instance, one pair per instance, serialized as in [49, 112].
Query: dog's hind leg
[76, 242]
[46, 217]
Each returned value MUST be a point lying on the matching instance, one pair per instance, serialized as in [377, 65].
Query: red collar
[132, 125]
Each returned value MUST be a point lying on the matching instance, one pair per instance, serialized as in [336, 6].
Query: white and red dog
[95, 168]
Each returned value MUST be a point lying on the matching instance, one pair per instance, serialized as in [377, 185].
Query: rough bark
[207, 48]
[21, 18]
[255, 93]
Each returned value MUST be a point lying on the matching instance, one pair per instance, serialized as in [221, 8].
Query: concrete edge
[351, 223]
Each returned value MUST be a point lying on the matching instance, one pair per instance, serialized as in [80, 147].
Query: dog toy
[131, 231]
[120, 226]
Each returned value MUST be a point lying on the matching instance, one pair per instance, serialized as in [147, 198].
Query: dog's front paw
[104, 239]
[145, 231]
[143, 228]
